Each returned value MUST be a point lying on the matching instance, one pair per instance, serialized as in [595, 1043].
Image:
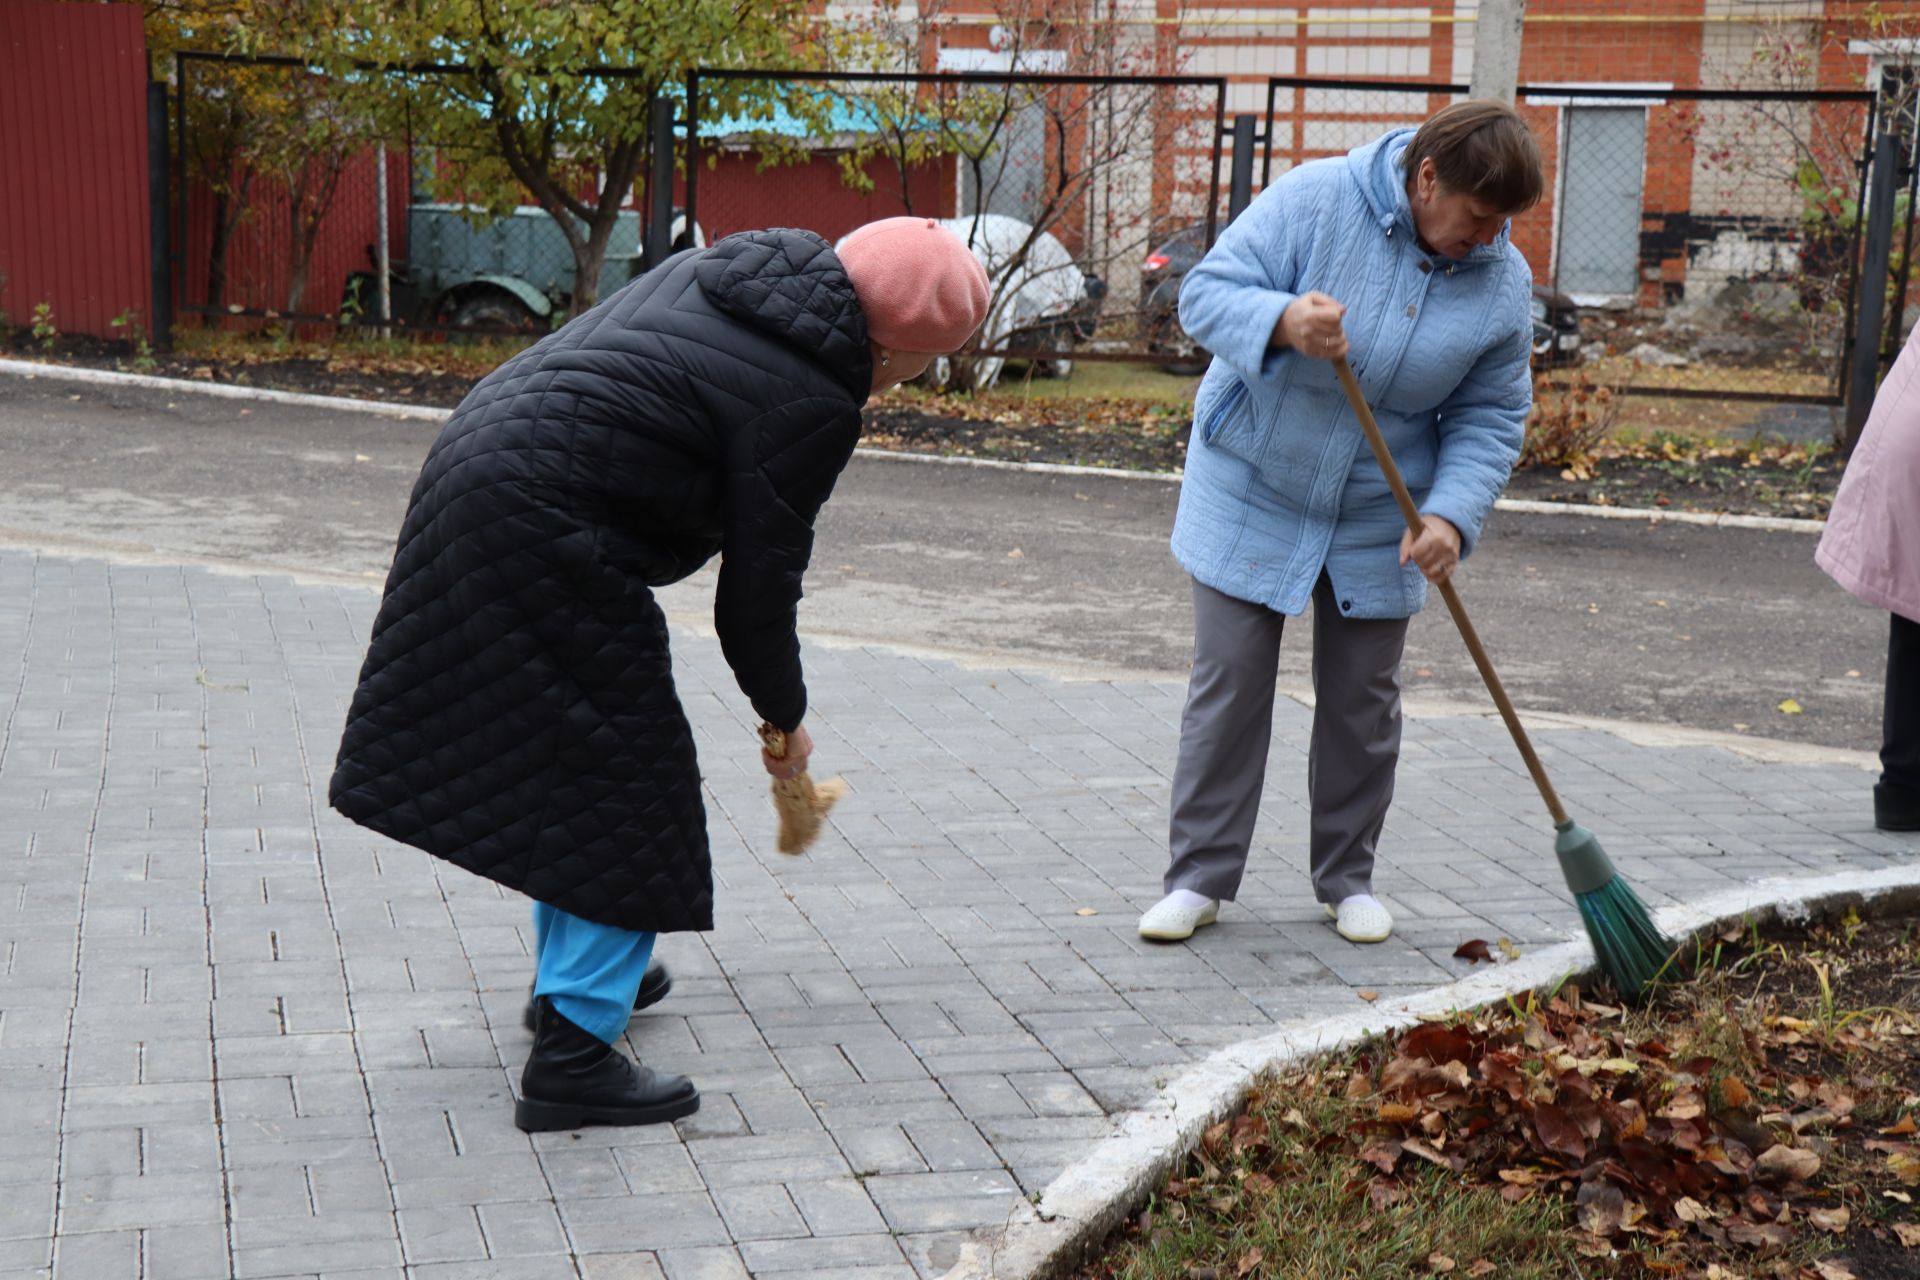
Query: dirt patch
[1717, 481]
[440, 382]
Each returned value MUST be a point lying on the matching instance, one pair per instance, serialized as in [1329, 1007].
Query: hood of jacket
[790, 284]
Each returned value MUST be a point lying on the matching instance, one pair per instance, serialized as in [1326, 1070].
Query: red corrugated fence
[73, 163]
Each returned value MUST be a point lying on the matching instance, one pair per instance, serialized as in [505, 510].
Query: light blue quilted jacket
[1280, 482]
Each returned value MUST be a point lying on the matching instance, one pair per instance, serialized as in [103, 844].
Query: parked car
[1044, 303]
[1556, 317]
[515, 273]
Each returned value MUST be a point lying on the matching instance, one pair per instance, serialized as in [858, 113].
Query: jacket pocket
[1228, 426]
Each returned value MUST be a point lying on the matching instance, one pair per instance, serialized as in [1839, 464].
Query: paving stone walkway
[240, 1037]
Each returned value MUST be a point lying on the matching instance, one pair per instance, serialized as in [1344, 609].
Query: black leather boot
[653, 989]
[574, 1079]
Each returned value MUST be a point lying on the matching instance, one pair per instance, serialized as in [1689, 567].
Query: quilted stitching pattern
[516, 712]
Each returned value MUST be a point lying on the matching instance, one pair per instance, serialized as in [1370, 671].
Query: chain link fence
[1692, 241]
[294, 187]
[1067, 187]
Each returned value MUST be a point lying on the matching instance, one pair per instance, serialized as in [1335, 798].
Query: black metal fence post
[693, 152]
[159, 225]
[660, 185]
[1874, 274]
[1897, 322]
[1240, 182]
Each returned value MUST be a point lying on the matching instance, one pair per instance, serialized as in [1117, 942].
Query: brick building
[1652, 200]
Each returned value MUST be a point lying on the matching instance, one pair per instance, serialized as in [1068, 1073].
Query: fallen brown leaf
[1558, 1133]
[1761, 1235]
[1909, 1234]
[1368, 996]
[1784, 1162]
[1481, 1267]
[1246, 1264]
[1383, 1153]
[1905, 1128]
[1474, 950]
[1601, 1207]
[1687, 1209]
[1834, 1220]
[1440, 1264]
[1833, 1271]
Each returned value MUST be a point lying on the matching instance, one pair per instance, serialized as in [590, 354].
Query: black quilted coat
[516, 714]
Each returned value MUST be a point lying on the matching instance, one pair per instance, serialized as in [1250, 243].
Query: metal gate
[1597, 248]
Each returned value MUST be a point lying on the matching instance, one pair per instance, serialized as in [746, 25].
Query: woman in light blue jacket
[1399, 249]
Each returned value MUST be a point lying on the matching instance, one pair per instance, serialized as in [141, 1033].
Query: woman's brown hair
[1483, 150]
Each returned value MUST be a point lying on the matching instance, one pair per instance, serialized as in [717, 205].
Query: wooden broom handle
[1447, 593]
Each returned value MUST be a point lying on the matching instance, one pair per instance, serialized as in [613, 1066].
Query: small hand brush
[1631, 951]
[801, 804]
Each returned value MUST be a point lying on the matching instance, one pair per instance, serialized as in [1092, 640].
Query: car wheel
[1061, 366]
[491, 310]
[1180, 355]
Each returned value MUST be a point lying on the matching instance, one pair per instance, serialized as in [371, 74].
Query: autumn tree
[529, 114]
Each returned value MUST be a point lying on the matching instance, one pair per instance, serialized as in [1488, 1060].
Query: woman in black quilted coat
[516, 714]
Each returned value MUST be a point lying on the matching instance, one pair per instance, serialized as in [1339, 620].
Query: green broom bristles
[1631, 951]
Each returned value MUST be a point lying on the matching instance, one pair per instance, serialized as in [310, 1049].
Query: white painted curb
[1654, 515]
[224, 390]
[425, 413]
[1086, 1203]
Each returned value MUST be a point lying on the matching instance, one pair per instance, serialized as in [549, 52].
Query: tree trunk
[589, 256]
[311, 196]
[228, 209]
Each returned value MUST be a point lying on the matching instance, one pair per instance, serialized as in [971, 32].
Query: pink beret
[920, 286]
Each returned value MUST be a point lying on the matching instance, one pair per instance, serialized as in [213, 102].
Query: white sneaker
[1176, 916]
[1361, 918]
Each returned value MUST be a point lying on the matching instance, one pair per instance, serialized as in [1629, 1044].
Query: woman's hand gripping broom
[801, 803]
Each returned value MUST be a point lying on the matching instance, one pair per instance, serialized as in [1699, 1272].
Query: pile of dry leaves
[1749, 1125]
[1669, 1146]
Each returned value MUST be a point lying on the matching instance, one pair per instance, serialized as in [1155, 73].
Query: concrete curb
[1087, 1202]
[425, 413]
[223, 390]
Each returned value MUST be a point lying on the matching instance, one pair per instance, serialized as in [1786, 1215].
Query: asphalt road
[1705, 628]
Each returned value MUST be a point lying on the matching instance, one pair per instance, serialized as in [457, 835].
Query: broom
[801, 804]
[1631, 950]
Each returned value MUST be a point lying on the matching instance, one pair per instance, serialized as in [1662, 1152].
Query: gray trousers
[1228, 723]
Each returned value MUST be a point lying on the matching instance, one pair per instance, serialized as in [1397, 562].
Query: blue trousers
[590, 971]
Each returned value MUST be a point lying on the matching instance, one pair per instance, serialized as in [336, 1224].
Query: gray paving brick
[107, 1256]
[836, 1207]
[557, 1267]
[759, 1212]
[123, 1203]
[446, 1234]
[185, 1253]
[945, 1201]
[621, 1266]
[703, 1264]
[673, 1220]
[825, 1255]
[525, 1229]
